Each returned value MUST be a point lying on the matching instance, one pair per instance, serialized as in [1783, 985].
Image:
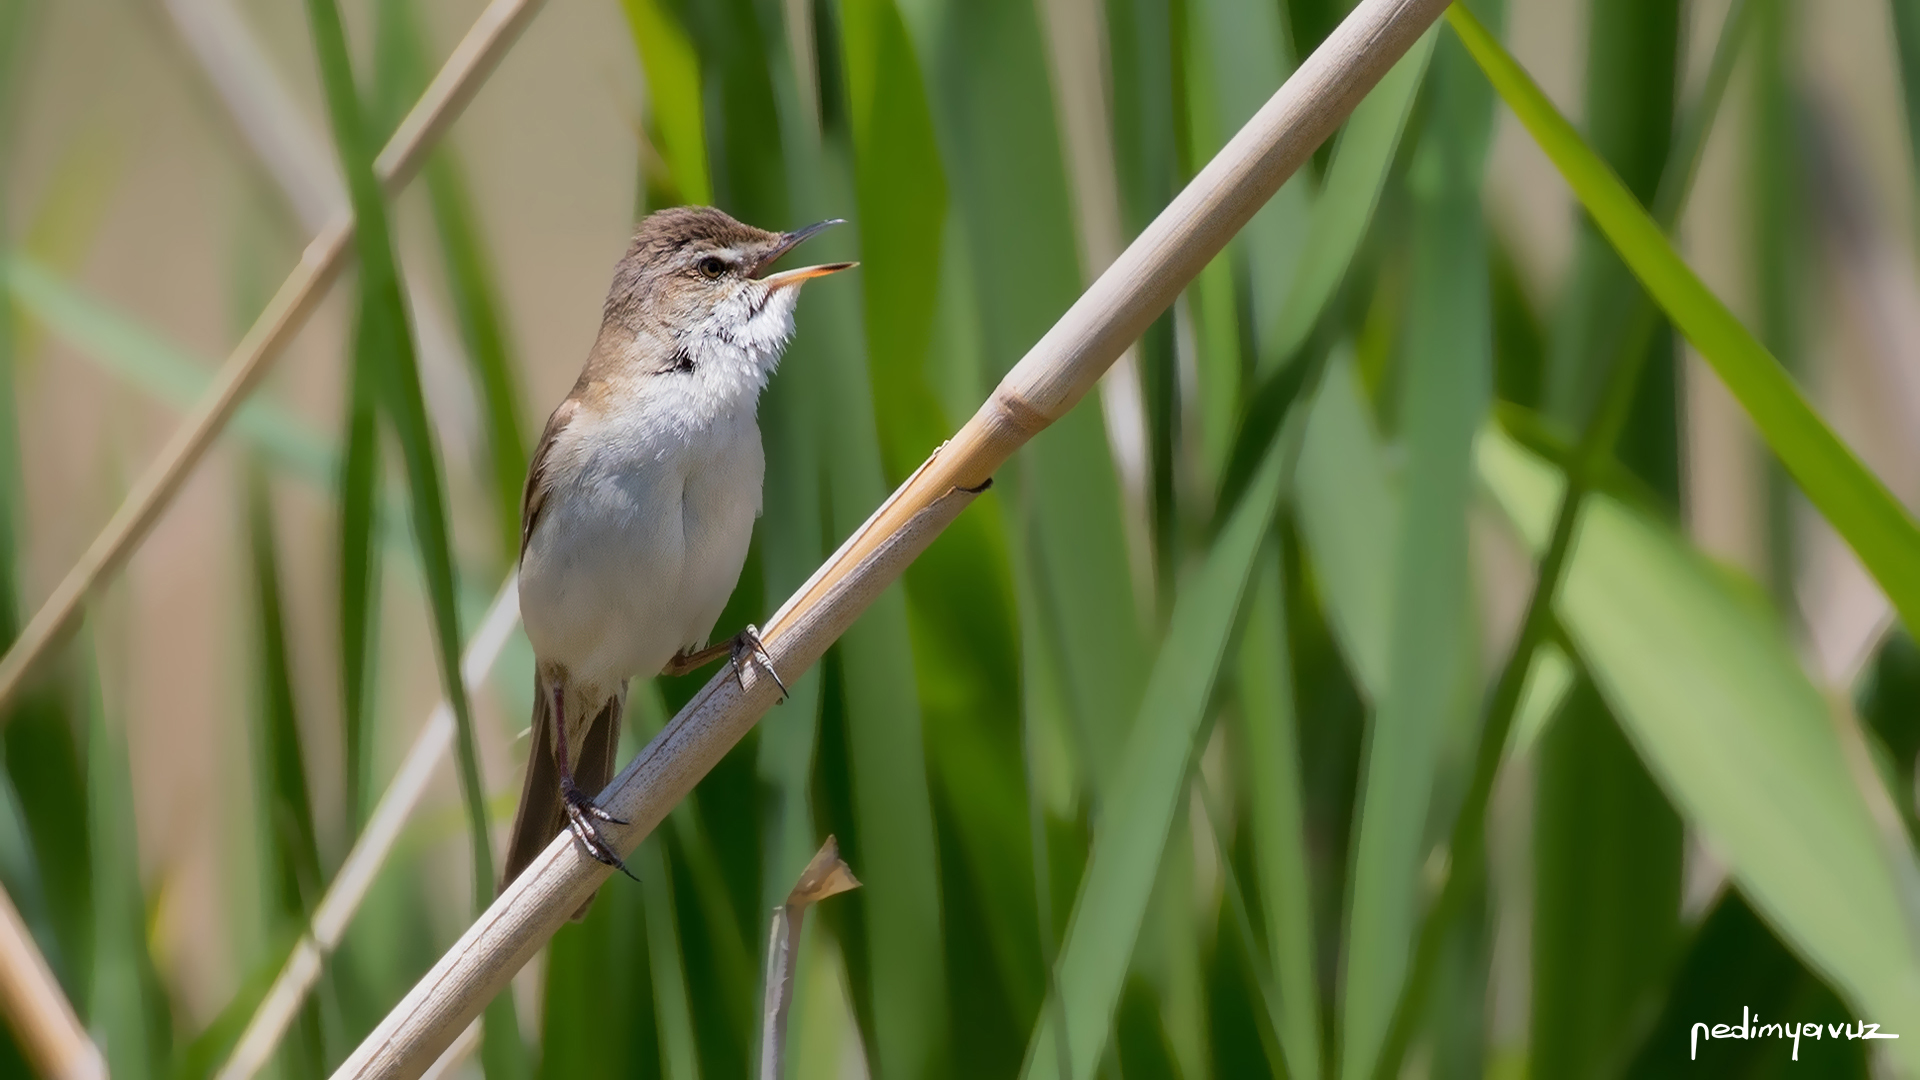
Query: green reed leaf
[1850, 497]
[1445, 386]
[1362, 155]
[384, 336]
[673, 90]
[134, 352]
[1151, 783]
[960, 592]
[292, 845]
[1717, 706]
[1276, 814]
[400, 76]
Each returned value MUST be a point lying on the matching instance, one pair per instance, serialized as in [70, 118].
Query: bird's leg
[689, 660]
[580, 807]
[738, 648]
[747, 643]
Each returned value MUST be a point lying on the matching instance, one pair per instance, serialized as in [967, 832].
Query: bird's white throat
[736, 349]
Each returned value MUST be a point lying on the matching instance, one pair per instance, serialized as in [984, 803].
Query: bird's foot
[582, 817]
[747, 645]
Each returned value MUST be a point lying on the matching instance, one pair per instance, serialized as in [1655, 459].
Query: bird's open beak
[788, 242]
[794, 277]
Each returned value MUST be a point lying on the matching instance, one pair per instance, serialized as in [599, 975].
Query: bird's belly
[719, 505]
[634, 561]
[593, 598]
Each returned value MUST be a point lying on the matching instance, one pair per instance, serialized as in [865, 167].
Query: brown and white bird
[642, 496]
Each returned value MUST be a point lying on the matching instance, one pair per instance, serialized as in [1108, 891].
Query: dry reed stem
[1053, 375]
[458, 80]
[826, 875]
[43, 1022]
[454, 1055]
[349, 887]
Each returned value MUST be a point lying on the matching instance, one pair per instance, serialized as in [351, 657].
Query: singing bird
[641, 499]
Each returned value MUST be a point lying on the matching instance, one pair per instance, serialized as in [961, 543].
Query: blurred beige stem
[1875, 385]
[1048, 381]
[267, 115]
[1081, 92]
[370, 850]
[43, 1023]
[472, 61]
[826, 875]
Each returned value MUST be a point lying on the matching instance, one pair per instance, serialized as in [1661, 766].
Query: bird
[640, 500]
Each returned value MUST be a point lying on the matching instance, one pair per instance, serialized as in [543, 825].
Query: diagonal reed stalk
[1047, 382]
[349, 887]
[458, 80]
[43, 1023]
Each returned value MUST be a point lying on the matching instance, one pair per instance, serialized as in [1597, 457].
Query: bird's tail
[542, 815]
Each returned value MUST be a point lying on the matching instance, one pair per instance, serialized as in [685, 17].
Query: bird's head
[697, 276]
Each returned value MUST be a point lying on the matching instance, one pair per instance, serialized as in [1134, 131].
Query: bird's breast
[641, 541]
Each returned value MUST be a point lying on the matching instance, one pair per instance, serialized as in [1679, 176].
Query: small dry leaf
[825, 876]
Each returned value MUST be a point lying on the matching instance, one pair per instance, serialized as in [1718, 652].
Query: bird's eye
[712, 267]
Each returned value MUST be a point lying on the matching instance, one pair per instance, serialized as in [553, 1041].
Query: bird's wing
[539, 482]
[541, 815]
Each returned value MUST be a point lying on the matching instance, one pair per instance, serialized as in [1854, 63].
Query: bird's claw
[747, 644]
[581, 814]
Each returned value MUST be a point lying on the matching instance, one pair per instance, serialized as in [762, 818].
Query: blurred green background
[1154, 765]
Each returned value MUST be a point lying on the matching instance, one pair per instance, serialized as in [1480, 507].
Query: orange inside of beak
[794, 277]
